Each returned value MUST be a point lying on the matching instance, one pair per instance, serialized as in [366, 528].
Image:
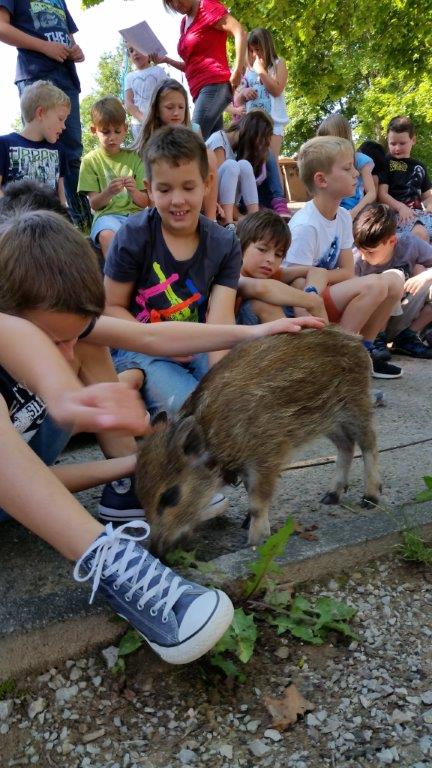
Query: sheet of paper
[142, 37]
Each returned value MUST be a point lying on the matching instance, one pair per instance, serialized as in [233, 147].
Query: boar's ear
[189, 438]
[159, 421]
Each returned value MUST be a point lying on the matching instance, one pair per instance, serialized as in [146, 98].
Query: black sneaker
[383, 370]
[380, 346]
[426, 335]
[409, 343]
[119, 503]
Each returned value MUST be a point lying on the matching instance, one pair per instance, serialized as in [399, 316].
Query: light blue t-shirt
[360, 161]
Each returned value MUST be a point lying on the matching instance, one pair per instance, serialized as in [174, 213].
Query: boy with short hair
[43, 34]
[404, 183]
[322, 237]
[172, 263]
[264, 290]
[381, 249]
[35, 152]
[111, 176]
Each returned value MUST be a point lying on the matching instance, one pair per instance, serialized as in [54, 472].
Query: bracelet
[311, 289]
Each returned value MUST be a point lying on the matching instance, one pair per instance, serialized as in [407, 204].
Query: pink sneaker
[279, 205]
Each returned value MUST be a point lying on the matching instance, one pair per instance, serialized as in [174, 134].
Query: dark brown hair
[265, 226]
[374, 225]
[401, 124]
[176, 145]
[45, 263]
[30, 195]
[254, 132]
[108, 111]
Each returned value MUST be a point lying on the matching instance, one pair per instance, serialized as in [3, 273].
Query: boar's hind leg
[260, 485]
[344, 443]
[366, 439]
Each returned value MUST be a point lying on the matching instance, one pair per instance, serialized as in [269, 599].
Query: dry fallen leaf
[285, 711]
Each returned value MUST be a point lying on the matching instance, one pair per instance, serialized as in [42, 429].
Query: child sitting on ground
[172, 263]
[381, 249]
[241, 152]
[404, 183]
[140, 85]
[34, 153]
[179, 619]
[169, 106]
[112, 177]
[264, 291]
[322, 237]
[365, 192]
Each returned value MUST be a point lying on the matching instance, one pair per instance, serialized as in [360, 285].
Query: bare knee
[104, 239]
[395, 282]
[266, 312]
[420, 231]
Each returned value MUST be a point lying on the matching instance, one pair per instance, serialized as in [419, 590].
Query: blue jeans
[271, 187]
[168, 384]
[70, 141]
[246, 316]
[47, 443]
[209, 106]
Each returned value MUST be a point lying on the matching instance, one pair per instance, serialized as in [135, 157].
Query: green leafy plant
[239, 641]
[312, 622]
[427, 494]
[414, 549]
[265, 564]
[7, 689]
[179, 558]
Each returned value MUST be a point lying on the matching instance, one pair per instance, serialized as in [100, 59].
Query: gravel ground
[372, 699]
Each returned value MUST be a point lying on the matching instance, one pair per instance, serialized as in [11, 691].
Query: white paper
[142, 37]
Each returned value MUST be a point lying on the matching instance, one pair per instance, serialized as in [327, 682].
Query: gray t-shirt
[408, 251]
[165, 288]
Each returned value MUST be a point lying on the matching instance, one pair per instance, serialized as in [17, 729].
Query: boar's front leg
[260, 483]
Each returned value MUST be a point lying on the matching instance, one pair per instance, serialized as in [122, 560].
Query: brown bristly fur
[252, 410]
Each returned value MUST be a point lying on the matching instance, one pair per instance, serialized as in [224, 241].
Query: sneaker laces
[106, 561]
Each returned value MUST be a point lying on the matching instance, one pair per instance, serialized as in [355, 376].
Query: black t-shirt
[48, 20]
[26, 410]
[407, 180]
[40, 161]
[165, 288]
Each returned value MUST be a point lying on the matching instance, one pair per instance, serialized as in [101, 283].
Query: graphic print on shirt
[412, 193]
[51, 15]
[262, 100]
[330, 257]
[36, 164]
[26, 412]
[179, 309]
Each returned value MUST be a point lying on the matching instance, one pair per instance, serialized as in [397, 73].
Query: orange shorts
[334, 314]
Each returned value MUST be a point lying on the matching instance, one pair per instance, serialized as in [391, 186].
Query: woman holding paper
[204, 29]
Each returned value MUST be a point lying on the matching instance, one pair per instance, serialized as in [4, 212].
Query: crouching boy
[380, 249]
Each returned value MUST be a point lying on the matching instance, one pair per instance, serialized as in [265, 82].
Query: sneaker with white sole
[179, 619]
[119, 502]
[383, 370]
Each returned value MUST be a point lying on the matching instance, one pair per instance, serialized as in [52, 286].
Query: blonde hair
[320, 154]
[336, 125]
[108, 111]
[41, 94]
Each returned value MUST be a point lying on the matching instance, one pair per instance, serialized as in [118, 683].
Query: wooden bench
[294, 189]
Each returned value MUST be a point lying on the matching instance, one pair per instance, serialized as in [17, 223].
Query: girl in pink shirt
[202, 46]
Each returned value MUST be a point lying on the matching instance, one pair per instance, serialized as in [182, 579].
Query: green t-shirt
[98, 169]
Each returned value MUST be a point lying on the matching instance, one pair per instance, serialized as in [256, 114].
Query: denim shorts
[110, 221]
[422, 217]
[48, 443]
[246, 316]
[168, 383]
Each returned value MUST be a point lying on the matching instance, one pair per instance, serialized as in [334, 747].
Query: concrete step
[45, 616]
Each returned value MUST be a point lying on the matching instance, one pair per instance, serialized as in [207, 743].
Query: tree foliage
[370, 60]
[108, 83]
